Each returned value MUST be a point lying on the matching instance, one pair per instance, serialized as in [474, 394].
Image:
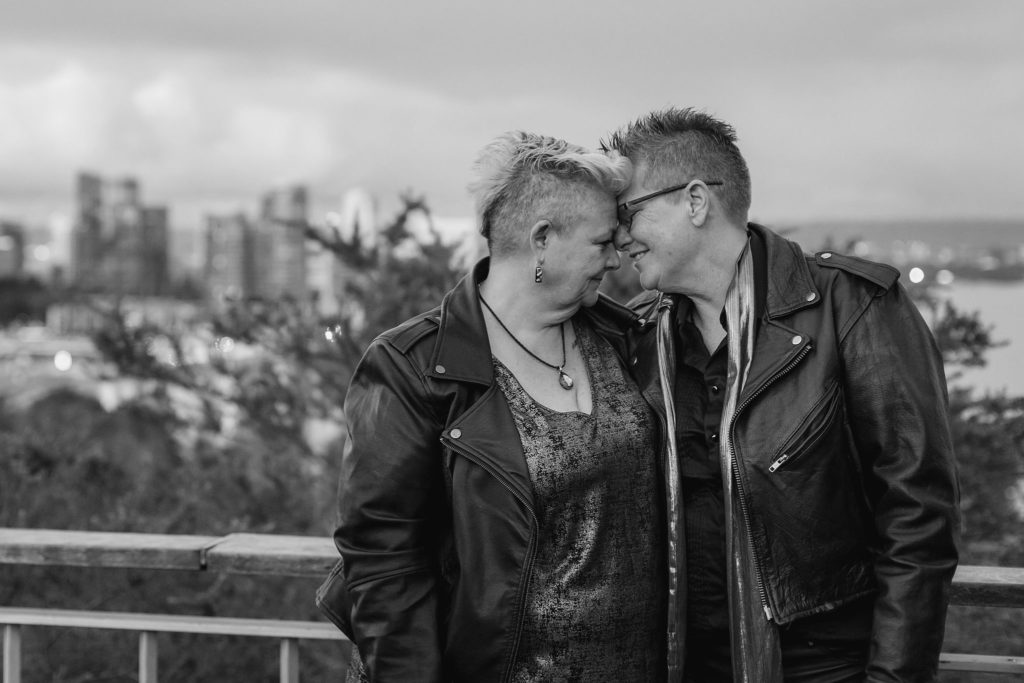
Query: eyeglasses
[628, 209]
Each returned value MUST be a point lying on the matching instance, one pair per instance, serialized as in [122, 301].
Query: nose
[622, 237]
[613, 260]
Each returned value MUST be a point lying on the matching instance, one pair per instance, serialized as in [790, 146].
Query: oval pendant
[564, 380]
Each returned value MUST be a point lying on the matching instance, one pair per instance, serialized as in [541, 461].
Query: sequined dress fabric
[593, 610]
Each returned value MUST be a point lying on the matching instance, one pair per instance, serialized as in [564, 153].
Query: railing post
[148, 652]
[12, 653]
[289, 660]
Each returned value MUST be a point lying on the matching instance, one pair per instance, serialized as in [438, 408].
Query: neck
[717, 270]
[523, 305]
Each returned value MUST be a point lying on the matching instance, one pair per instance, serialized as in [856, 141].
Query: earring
[538, 273]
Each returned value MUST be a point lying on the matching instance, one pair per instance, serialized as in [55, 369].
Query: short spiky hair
[679, 144]
[524, 177]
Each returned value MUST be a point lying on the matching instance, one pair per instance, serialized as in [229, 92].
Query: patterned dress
[596, 598]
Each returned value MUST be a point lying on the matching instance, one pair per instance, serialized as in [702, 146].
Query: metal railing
[259, 554]
[301, 556]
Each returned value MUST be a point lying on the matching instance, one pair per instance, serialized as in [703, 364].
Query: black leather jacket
[437, 527]
[843, 452]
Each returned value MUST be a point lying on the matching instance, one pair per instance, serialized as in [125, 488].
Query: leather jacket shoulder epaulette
[405, 336]
[881, 274]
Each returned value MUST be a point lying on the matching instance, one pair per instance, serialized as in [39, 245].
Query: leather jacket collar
[789, 282]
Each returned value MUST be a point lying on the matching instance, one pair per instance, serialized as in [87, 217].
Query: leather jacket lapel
[462, 352]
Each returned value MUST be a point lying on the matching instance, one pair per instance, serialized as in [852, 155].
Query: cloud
[867, 109]
[206, 128]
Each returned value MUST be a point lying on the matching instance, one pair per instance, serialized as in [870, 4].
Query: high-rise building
[118, 245]
[322, 278]
[326, 275]
[279, 245]
[12, 249]
[229, 257]
[154, 251]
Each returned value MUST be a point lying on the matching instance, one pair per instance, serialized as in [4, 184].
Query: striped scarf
[756, 652]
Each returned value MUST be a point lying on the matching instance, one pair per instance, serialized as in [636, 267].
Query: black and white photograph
[524, 342]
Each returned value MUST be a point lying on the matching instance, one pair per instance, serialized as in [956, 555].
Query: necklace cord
[564, 380]
[561, 328]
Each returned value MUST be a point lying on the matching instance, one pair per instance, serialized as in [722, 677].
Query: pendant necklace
[564, 380]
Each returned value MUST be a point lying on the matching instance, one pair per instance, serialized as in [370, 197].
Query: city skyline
[863, 112]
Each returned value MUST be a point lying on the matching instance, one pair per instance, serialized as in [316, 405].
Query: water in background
[999, 306]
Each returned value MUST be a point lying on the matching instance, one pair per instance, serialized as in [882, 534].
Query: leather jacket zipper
[758, 571]
[805, 444]
[531, 550]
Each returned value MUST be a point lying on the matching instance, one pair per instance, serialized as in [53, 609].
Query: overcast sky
[870, 109]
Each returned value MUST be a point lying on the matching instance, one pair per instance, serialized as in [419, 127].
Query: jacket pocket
[333, 600]
[811, 429]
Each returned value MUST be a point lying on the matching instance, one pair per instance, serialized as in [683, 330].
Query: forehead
[595, 211]
[639, 184]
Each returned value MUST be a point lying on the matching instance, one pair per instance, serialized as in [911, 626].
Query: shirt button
[827, 254]
[715, 389]
[642, 321]
[439, 369]
[811, 296]
[714, 438]
[796, 340]
[456, 433]
[635, 360]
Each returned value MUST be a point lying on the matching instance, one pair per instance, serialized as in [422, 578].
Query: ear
[698, 203]
[539, 234]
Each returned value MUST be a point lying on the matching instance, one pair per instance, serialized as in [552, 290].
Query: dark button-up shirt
[700, 387]
[699, 398]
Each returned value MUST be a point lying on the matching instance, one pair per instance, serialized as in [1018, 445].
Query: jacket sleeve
[390, 498]
[898, 408]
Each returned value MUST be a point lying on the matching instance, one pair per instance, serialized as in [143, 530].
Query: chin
[648, 282]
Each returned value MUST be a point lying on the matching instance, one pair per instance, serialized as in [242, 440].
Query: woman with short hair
[498, 507]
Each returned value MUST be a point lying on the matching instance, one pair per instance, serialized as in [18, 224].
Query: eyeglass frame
[626, 206]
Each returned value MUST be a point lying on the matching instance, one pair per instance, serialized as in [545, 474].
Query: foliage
[69, 464]
[22, 300]
[216, 441]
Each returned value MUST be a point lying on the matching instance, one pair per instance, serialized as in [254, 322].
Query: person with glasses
[496, 516]
[811, 483]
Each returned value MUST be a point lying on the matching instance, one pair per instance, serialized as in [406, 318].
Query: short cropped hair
[676, 145]
[520, 178]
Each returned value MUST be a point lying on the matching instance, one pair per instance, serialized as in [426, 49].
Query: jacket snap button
[827, 254]
[811, 296]
[642, 321]
[797, 339]
[439, 369]
[456, 433]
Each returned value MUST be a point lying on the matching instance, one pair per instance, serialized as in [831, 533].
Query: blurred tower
[229, 257]
[154, 252]
[322, 278]
[118, 245]
[358, 215]
[12, 249]
[279, 245]
[326, 274]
